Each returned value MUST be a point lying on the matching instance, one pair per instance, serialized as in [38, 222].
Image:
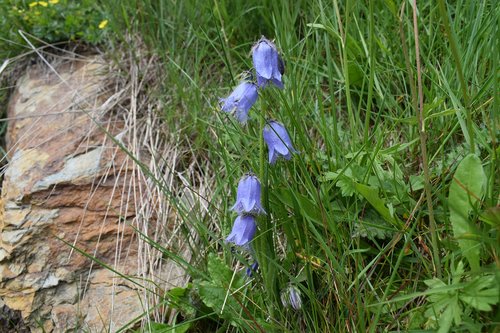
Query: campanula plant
[291, 297]
[278, 141]
[240, 101]
[253, 268]
[248, 196]
[268, 63]
[244, 228]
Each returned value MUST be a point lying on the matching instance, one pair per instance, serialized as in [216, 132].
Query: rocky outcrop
[66, 191]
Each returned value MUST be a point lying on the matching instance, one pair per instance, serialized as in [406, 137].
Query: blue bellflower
[252, 269]
[278, 141]
[244, 228]
[240, 101]
[268, 63]
[291, 297]
[248, 196]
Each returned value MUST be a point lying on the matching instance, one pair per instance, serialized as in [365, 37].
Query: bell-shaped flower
[240, 101]
[291, 297]
[278, 141]
[248, 196]
[252, 269]
[268, 63]
[244, 228]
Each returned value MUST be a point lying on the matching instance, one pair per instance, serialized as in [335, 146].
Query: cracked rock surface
[62, 188]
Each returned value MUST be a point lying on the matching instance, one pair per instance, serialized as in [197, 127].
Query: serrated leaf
[466, 189]
[346, 186]
[329, 175]
[217, 292]
[220, 300]
[481, 293]
[221, 274]
[372, 226]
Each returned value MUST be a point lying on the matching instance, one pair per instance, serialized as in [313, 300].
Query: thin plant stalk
[423, 145]
[265, 239]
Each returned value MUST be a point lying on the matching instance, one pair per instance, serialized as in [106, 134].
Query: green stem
[266, 250]
[423, 145]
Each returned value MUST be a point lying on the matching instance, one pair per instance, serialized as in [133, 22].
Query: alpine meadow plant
[240, 101]
[291, 297]
[278, 141]
[268, 67]
[248, 196]
[244, 228]
[268, 64]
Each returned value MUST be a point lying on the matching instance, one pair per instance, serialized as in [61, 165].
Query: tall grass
[349, 223]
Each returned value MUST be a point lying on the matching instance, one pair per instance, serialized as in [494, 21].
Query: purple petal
[248, 196]
[240, 101]
[243, 231]
[278, 142]
[263, 58]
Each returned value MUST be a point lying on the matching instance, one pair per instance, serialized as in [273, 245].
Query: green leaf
[481, 293]
[466, 190]
[217, 293]
[371, 195]
[165, 328]
[346, 186]
[180, 299]
[491, 216]
[220, 273]
[217, 298]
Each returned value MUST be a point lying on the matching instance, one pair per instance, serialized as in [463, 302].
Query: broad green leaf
[481, 293]
[218, 270]
[217, 298]
[466, 190]
[180, 299]
[218, 292]
[371, 195]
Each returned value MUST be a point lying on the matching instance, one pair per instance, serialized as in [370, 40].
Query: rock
[67, 184]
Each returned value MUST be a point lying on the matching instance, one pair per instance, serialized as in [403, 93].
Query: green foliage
[467, 188]
[217, 291]
[49, 21]
[451, 303]
[165, 328]
[348, 221]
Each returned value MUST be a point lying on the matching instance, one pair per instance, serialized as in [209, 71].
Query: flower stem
[423, 145]
[266, 235]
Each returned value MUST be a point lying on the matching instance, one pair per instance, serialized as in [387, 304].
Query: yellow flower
[43, 3]
[53, 2]
[103, 24]
[33, 4]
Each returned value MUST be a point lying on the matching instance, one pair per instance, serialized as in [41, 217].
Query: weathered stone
[64, 187]
[65, 317]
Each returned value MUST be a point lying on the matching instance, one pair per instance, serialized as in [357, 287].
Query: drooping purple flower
[240, 101]
[291, 297]
[268, 63]
[278, 141]
[244, 228]
[252, 269]
[248, 196]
